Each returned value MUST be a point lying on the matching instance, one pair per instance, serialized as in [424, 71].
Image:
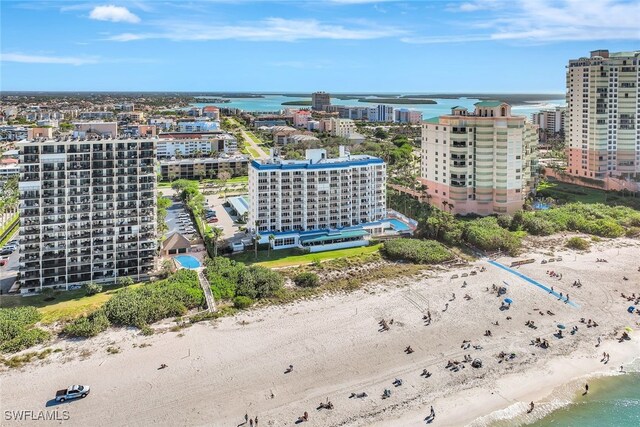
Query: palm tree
[256, 238]
[271, 239]
[216, 233]
[451, 207]
[444, 204]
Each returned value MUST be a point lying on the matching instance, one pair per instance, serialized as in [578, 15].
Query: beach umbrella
[628, 329]
[631, 309]
[560, 326]
[508, 300]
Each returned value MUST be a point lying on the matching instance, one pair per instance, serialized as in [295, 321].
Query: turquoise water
[612, 401]
[398, 225]
[187, 261]
[443, 106]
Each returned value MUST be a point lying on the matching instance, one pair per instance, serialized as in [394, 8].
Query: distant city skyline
[340, 46]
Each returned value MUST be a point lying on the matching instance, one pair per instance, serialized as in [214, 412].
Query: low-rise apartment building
[200, 168]
[87, 211]
[95, 128]
[478, 163]
[192, 144]
[318, 200]
[198, 126]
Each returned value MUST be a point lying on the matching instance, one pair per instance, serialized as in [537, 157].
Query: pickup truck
[73, 392]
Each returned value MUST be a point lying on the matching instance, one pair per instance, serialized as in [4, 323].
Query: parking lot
[9, 271]
[178, 219]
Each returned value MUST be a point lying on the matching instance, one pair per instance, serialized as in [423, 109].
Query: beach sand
[218, 371]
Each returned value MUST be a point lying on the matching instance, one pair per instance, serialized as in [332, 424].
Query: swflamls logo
[27, 415]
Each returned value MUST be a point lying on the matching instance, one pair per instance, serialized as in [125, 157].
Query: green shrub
[306, 280]
[17, 331]
[92, 288]
[258, 282]
[88, 326]
[25, 339]
[241, 302]
[417, 251]
[578, 243]
[487, 235]
[156, 301]
[146, 330]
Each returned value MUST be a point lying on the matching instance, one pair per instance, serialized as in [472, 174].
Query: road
[9, 272]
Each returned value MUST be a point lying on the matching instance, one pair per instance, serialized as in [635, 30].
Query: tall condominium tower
[602, 122]
[87, 211]
[319, 100]
[478, 163]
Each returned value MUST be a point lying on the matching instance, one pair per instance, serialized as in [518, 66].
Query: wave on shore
[567, 402]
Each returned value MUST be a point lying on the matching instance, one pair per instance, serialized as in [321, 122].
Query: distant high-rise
[478, 163]
[319, 100]
[602, 123]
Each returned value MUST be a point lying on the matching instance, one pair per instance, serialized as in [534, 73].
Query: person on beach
[250, 422]
[433, 413]
[246, 418]
[256, 422]
[531, 406]
[586, 388]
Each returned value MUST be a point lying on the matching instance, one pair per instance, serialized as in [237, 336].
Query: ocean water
[613, 401]
[443, 106]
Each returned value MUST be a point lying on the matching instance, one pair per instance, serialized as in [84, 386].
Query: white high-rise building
[289, 197]
[87, 211]
[380, 113]
[603, 115]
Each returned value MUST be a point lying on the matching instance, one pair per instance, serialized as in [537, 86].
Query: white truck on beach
[73, 392]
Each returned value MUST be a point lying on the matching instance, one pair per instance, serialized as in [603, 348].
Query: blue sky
[298, 45]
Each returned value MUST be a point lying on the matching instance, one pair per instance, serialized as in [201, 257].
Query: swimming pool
[187, 261]
[398, 225]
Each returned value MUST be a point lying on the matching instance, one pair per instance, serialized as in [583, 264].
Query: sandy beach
[218, 371]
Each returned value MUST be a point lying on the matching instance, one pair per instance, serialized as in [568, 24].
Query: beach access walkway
[533, 282]
[206, 287]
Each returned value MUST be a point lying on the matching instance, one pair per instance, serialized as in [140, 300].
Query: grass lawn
[67, 305]
[293, 257]
[253, 153]
[576, 193]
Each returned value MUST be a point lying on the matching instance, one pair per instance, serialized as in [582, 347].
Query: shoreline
[235, 365]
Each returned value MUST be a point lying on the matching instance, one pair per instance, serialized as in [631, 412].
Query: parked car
[73, 392]
[6, 251]
[4, 260]
[212, 219]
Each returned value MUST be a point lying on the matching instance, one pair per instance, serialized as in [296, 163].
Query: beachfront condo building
[319, 100]
[87, 211]
[318, 201]
[478, 163]
[603, 117]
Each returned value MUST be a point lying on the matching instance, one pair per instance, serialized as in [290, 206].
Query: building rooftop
[489, 104]
[433, 120]
[317, 159]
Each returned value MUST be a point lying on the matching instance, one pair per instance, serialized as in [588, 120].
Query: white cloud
[270, 29]
[543, 21]
[40, 59]
[114, 14]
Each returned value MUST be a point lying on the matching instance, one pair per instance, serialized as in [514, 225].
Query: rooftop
[489, 104]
